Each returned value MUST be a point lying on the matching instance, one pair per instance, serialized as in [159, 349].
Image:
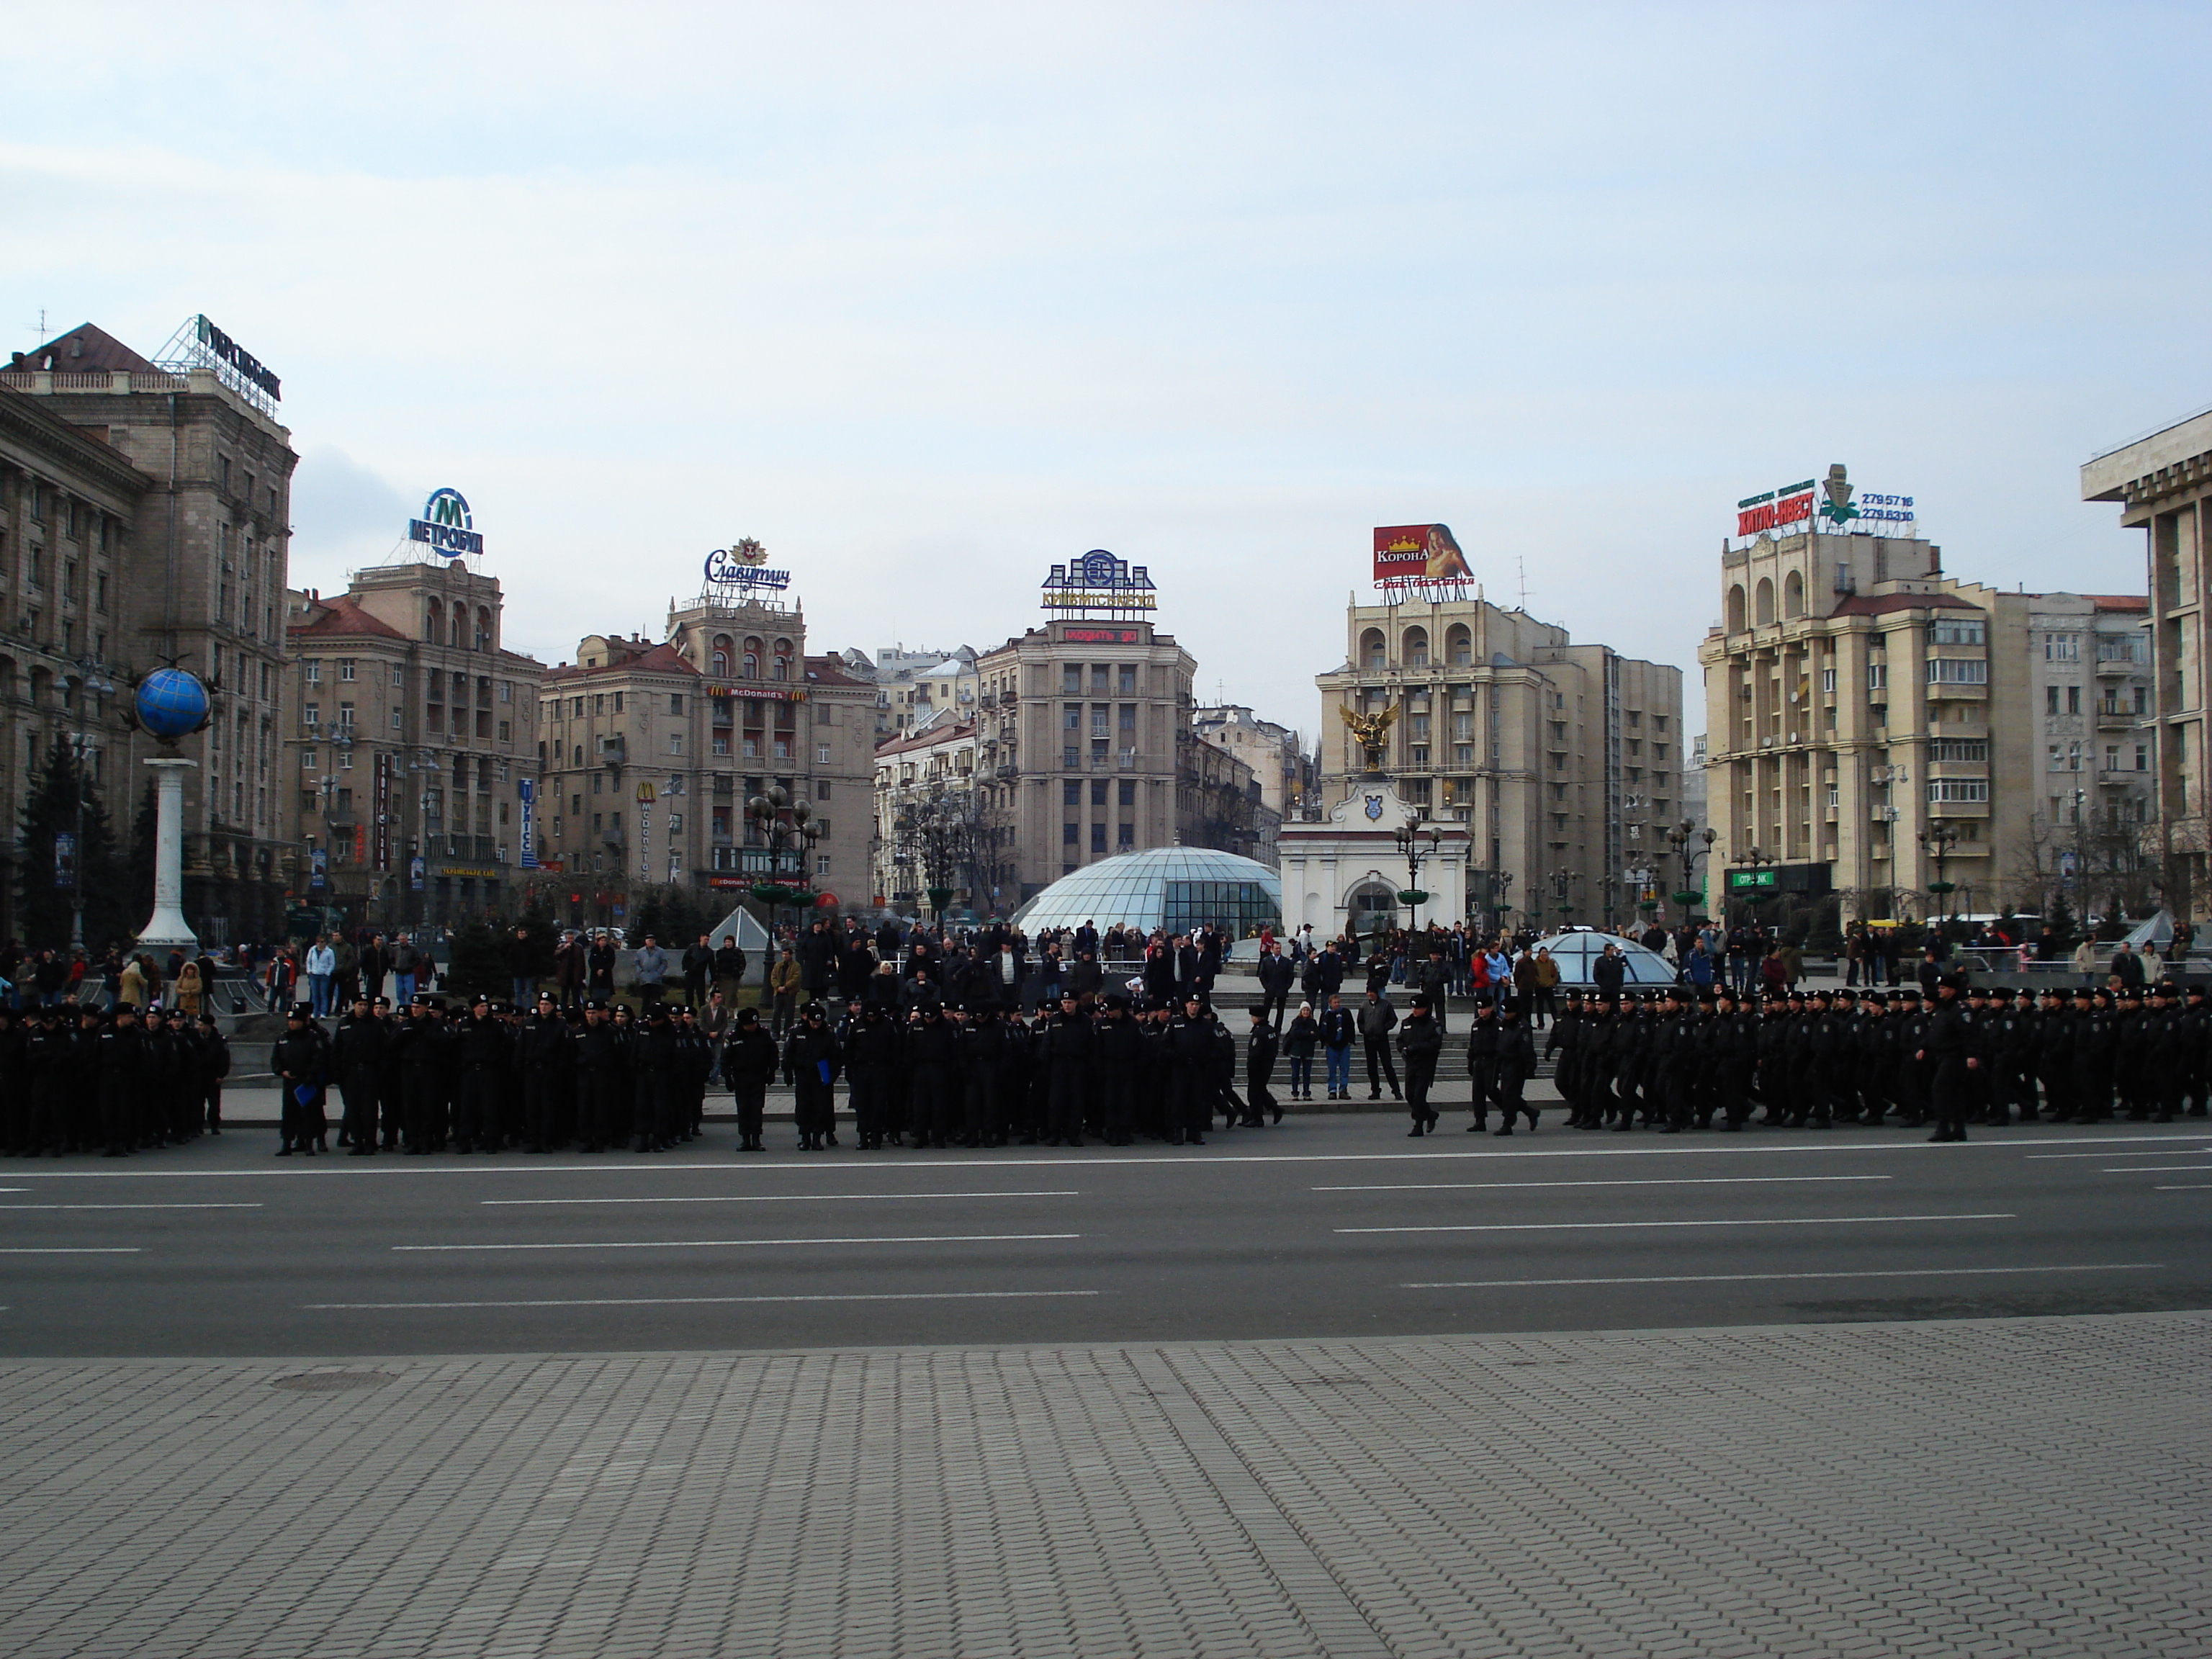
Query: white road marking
[393, 1164]
[2200, 1187]
[2158, 1169]
[1578, 1227]
[721, 1243]
[1656, 1181]
[2046, 1157]
[702, 1301]
[1737, 1279]
[777, 1198]
[1012, 1159]
[129, 1206]
[105, 1250]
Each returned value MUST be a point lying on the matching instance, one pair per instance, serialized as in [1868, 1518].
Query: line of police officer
[1677, 1059]
[81, 1080]
[490, 1077]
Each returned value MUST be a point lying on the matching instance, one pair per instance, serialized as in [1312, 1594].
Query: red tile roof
[98, 352]
[1864, 604]
[929, 739]
[828, 671]
[626, 657]
[343, 619]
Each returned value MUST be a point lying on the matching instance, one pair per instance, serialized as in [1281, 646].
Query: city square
[792, 803]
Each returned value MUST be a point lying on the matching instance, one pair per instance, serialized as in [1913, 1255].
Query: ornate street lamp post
[1416, 842]
[1939, 838]
[1682, 838]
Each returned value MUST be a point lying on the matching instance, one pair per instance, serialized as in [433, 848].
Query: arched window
[1417, 647]
[434, 623]
[1736, 609]
[453, 629]
[1793, 595]
[720, 660]
[1373, 655]
[1766, 611]
[783, 660]
[484, 641]
[1459, 645]
[579, 760]
[752, 657]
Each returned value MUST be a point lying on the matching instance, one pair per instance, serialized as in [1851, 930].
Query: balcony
[2121, 664]
[2114, 716]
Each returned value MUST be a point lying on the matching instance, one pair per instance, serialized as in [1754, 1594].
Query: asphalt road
[1325, 1226]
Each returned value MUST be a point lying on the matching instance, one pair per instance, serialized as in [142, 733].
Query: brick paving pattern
[1999, 1487]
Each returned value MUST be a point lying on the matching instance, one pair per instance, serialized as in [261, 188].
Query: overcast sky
[928, 298]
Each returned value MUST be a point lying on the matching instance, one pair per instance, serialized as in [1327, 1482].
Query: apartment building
[1869, 721]
[1564, 761]
[1084, 729]
[653, 748]
[410, 747]
[2161, 483]
[191, 568]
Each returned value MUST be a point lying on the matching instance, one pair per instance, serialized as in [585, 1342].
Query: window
[675, 702]
[1068, 832]
[674, 822]
[2143, 757]
[1877, 676]
[675, 743]
[1097, 838]
[1957, 671]
[599, 702]
[1071, 792]
[395, 720]
[1828, 681]
[618, 703]
[1128, 791]
[1971, 751]
[346, 717]
[1098, 792]
[1125, 835]
[1073, 719]
[311, 713]
[822, 863]
[312, 671]
[576, 708]
[308, 759]
[2050, 699]
[1941, 790]
[1071, 679]
[1126, 683]
[398, 676]
[345, 669]
[1952, 632]
[821, 753]
[822, 792]
[2061, 648]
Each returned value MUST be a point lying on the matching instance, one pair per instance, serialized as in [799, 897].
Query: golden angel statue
[1370, 731]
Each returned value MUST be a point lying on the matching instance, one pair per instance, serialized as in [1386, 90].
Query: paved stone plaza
[1999, 1487]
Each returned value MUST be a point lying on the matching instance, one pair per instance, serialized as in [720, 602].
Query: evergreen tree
[479, 961]
[43, 907]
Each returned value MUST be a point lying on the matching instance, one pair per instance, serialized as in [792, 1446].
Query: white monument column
[168, 927]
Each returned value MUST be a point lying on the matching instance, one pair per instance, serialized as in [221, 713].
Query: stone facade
[411, 733]
[1564, 762]
[1857, 696]
[200, 578]
[1084, 729]
[2163, 483]
[728, 704]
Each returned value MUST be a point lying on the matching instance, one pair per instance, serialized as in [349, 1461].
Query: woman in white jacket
[321, 964]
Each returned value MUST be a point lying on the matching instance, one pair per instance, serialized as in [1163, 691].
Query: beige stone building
[1276, 756]
[1861, 706]
[932, 826]
[1565, 762]
[193, 570]
[2162, 483]
[652, 750]
[1085, 734]
[411, 743]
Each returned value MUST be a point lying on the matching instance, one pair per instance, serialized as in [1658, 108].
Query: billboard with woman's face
[1408, 555]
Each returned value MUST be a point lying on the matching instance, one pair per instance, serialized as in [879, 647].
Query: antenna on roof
[1523, 562]
[42, 326]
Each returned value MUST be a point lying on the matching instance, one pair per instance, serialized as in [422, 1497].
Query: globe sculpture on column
[169, 704]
